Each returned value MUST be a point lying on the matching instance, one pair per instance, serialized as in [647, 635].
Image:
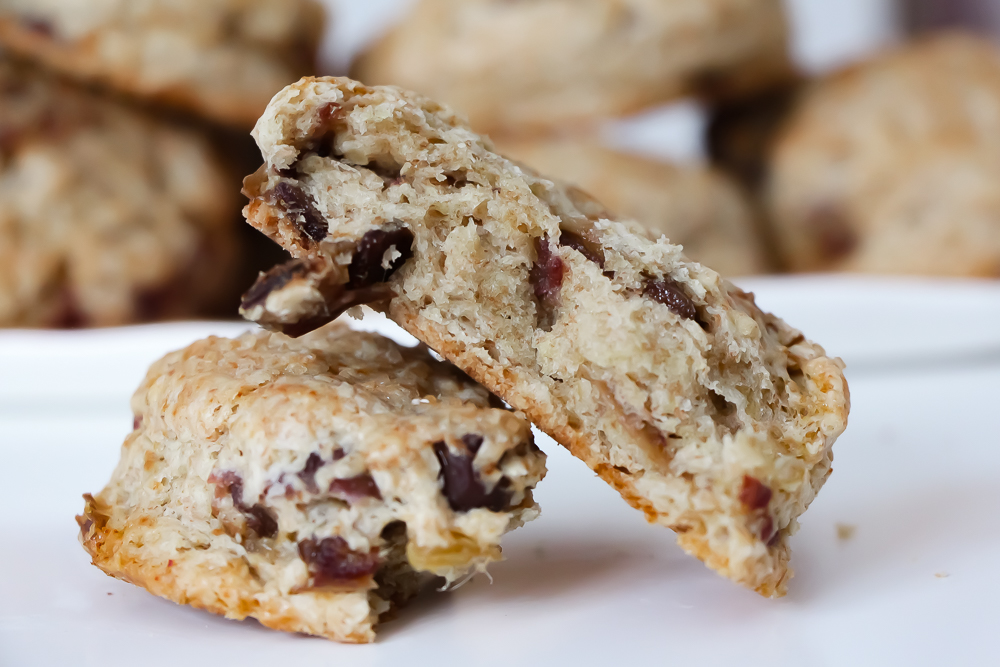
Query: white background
[588, 583]
[917, 475]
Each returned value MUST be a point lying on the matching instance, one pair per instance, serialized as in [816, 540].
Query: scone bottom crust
[665, 379]
[314, 485]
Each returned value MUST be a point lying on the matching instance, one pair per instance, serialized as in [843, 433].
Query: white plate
[589, 583]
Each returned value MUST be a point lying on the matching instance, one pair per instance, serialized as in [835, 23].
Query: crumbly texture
[312, 484]
[697, 208]
[108, 217]
[710, 416]
[222, 59]
[892, 166]
[527, 66]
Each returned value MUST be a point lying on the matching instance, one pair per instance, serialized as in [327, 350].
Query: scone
[710, 416]
[523, 66]
[893, 165]
[108, 216]
[697, 208]
[312, 484]
[222, 59]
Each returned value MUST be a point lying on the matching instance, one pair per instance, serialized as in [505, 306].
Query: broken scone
[710, 416]
[312, 484]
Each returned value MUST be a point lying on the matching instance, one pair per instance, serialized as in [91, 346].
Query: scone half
[312, 484]
[710, 416]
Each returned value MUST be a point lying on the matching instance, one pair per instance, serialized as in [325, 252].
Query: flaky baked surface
[311, 484]
[222, 59]
[891, 166]
[698, 208]
[108, 216]
[710, 416]
[525, 66]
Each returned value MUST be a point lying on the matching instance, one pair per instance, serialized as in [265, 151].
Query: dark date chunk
[366, 267]
[546, 278]
[228, 482]
[754, 494]
[261, 521]
[308, 473]
[390, 175]
[301, 210]
[547, 273]
[472, 442]
[462, 486]
[331, 562]
[355, 488]
[577, 242]
[338, 299]
[671, 295]
[328, 112]
[259, 518]
[275, 278]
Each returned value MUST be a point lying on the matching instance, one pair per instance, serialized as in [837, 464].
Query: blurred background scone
[106, 215]
[221, 59]
[893, 165]
[887, 167]
[119, 201]
[697, 207]
[530, 66]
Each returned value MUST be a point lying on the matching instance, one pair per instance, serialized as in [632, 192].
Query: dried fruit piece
[578, 243]
[546, 278]
[261, 521]
[301, 209]
[355, 488]
[274, 279]
[228, 482]
[303, 276]
[472, 442]
[328, 112]
[308, 472]
[332, 563]
[462, 486]
[754, 494]
[670, 294]
[371, 265]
